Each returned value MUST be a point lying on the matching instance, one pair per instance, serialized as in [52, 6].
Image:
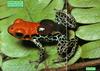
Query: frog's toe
[36, 63]
[59, 60]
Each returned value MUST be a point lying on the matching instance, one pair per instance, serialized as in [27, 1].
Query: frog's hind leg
[42, 51]
[66, 49]
[72, 46]
[67, 20]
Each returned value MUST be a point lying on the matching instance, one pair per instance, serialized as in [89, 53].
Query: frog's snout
[18, 33]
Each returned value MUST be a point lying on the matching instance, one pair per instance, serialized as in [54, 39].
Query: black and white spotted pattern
[65, 19]
[66, 48]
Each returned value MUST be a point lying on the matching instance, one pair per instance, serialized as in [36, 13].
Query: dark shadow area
[29, 44]
[81, 42]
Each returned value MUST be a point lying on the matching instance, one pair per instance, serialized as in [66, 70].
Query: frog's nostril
[19, 35]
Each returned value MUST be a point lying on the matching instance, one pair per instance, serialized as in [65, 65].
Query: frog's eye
[18, 21]
[19, 35]
[41, 29]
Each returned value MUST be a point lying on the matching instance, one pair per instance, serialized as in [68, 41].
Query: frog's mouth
[22, 36]
[19, 35]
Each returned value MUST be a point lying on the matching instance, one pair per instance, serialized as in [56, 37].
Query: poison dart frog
[47, 30]
[25, 30]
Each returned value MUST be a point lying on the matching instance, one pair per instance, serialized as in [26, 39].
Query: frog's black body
[58, 33]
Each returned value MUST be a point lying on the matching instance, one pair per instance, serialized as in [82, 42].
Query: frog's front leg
[62, 53]
[43, 54]
[61, 50]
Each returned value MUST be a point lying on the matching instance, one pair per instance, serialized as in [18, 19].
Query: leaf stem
[75, 66]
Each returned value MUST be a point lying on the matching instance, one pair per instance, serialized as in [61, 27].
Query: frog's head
[23, 30]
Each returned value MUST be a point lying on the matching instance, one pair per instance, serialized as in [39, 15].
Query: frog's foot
[36, 63]
[59, 60]
[42, 52]
[42, 58]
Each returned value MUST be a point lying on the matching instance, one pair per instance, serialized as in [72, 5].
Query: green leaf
[86, 16]
[18, 65]
[2, 2]
[40, 9]
[75, 57]
[33, 10]
[85, 3]
[89, 32]
[52, 56]
[5, 12]
[23, 63]
[91, 50]
[1, 60]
